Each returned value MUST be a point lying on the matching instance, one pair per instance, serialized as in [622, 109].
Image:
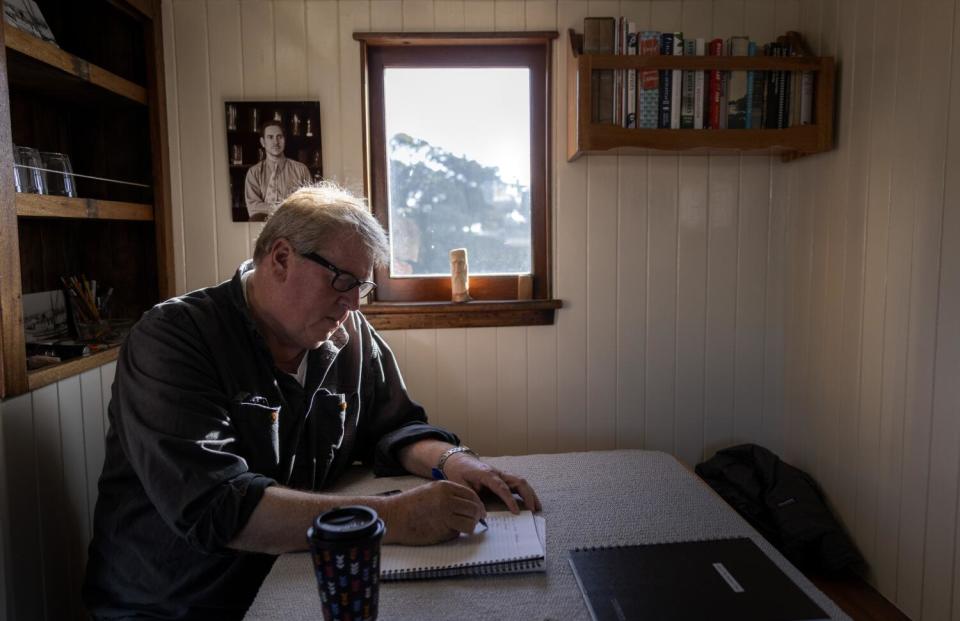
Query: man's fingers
[498, 486]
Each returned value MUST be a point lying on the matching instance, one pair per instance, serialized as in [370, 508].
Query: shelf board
[52, 56]
[476, 314]
[611, 139]
[48, 206]
[39, 378]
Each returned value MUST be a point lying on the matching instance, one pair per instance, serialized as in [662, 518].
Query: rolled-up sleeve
[175, 429]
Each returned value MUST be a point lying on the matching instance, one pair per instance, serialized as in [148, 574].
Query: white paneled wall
[53, 451]
[872, 345]
[812, 307]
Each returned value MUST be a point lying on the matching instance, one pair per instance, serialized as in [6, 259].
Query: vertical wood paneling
[397, 342]
[6, 561]
[449, 16]
[774, 359]
[601, 314]
[196, 158]
[888, 420]
[849, 197]
[420, 369]
[481, 431]
[915, 429]
[571, 222]
[91, 399]
[749, 372]
[418, 15]
[170, 48]
[480, 15]
[225, 69]
[508, 15]
[724, 186]
[21, 460]
[76, 512]
[631, 300]
[691, 308]
[511, 413]
[46, 425]
[931, 358]
[452, 380]
[386, 15]
[323, 69]
[353, 17]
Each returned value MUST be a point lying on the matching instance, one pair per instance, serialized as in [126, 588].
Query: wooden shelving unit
[584, 137]
[97, 96]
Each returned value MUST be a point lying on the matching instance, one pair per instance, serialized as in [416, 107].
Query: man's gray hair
[317, 216]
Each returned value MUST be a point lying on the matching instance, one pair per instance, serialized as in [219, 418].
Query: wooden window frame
[398, 301]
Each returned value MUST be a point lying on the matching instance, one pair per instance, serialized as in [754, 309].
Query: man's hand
[478, 476]
[430, 513]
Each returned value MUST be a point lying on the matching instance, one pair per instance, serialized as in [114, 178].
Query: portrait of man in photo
[273, 178]
[273, 149]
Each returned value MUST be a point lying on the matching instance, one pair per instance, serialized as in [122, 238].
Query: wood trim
[54, 373]
[160, 154]
[419, 315]
[495, 55]
[42, 51]
[48, 206]
[13, 367]
[386, 39]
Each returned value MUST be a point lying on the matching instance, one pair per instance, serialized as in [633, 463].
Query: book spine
[748, 113]
[599, 35]
[687, 104]
[649, 81]
[736, 109]
[773, 90]
[666, 81]
[631, 100]
[676, 83]
[716, 49]
[698, 86]
[806, 98]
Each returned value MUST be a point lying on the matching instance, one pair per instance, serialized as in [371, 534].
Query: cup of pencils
[89, 310]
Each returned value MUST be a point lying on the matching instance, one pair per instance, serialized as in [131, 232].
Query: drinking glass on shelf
[60, 181]
[231, 117]
[27, 176]
[236, 154]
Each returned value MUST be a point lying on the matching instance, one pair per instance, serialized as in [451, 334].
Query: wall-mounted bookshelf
[587, 137]
[97, 96]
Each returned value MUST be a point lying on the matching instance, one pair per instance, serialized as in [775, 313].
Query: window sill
[478, 314]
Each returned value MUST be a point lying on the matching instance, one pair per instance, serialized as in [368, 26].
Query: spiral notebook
[510, 544]
[708, 579]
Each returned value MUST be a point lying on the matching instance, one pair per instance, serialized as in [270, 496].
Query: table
[589, 499]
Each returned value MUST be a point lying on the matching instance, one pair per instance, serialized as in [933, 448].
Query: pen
[439, 476]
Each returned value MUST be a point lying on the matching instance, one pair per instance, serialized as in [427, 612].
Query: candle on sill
[459, 275]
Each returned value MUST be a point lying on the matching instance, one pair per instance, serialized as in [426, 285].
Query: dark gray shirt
[201, 422]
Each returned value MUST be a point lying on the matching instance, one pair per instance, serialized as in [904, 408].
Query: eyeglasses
[342, 281]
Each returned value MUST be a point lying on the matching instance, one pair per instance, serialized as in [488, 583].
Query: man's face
[273, 141]
[311, 309]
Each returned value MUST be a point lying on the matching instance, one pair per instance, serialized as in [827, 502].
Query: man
[232, 404]
[273, 179]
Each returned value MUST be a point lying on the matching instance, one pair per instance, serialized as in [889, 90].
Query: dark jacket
[201, 422]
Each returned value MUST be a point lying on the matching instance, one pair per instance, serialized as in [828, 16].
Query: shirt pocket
[258, 433]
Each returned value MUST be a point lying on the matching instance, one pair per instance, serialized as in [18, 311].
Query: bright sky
[483, 113]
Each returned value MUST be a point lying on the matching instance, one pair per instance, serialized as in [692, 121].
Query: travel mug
[345, 545]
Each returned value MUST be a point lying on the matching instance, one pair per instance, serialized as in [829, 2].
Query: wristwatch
[452, 450]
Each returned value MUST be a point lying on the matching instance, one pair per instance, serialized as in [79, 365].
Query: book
[510, 544]
[676, 83]
[599, 37]
[649, 80]
[631, 93]
[688, 88]
[715, 48]
[705, 579]
[700, 49]
[666, 82]
[737, 102]
[751, 79]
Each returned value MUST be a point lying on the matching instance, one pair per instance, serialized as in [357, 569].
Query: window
[457, 157]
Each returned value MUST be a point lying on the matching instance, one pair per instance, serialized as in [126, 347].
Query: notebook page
[508, 537]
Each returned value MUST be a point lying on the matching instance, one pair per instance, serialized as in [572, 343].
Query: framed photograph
[273, 148]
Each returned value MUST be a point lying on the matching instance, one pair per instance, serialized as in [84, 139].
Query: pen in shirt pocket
[438, 475]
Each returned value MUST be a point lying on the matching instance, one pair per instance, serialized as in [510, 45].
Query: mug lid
[350, 522]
